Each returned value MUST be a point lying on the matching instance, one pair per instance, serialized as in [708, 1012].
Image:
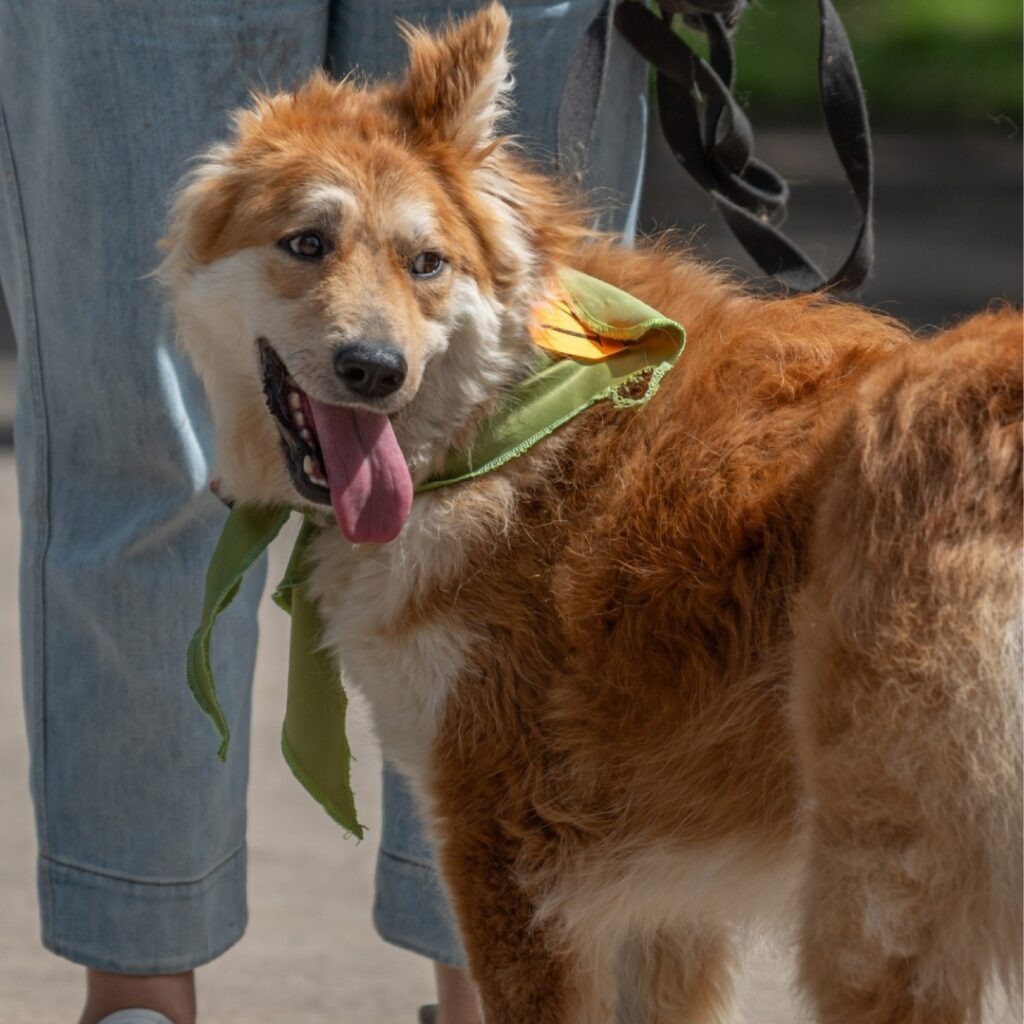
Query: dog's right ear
[200, 215]
[455, 86]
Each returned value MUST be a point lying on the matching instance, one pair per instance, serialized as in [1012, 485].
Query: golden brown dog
[752, 650]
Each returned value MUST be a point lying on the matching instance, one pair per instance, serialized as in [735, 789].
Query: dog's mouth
[338, 455]
[293, 418]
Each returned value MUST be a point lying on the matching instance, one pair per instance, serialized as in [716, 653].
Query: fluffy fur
[753, 651]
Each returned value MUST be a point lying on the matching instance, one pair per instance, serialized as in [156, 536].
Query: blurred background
[943, 79]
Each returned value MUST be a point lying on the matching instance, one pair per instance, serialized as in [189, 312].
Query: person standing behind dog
[141, 831]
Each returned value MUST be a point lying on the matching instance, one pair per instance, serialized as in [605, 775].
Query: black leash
[711, 136]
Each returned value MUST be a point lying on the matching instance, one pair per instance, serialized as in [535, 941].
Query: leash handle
[711, 135]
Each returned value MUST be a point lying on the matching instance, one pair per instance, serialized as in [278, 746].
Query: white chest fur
[404, 663]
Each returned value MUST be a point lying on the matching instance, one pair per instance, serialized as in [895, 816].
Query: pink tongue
[371, 489]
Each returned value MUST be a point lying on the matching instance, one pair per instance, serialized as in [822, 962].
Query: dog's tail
[908, 695]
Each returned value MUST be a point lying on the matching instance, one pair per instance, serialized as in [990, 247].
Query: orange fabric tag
[556, 328]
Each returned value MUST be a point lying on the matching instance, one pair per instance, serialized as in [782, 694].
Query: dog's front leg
[521, 974]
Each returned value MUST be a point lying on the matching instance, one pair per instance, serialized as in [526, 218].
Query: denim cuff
[410, 910]
[136, 927]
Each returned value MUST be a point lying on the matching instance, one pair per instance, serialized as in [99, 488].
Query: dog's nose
[372, 371]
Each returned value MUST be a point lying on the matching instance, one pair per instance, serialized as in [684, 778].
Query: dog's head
[352, 274]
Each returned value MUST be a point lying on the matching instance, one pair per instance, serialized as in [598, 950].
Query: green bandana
[313, 738]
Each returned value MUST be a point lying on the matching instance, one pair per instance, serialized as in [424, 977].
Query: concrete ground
[949, 238]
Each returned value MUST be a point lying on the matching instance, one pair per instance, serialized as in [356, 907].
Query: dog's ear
[456, 82]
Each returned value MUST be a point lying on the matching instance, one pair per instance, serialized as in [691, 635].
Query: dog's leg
[678, 977]
[907, 701]
[522, 974]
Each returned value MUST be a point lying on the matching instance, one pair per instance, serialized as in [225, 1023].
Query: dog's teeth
[314, 473]
[294, 401]
[305, 435]
[298, 419]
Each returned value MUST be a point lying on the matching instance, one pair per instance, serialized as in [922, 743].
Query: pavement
[949, 238]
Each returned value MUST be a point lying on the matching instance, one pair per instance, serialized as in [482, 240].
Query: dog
[749, 653]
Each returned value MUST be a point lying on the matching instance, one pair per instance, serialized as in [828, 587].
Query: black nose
[373, 371]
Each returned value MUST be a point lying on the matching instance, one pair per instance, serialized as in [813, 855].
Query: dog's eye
[427, 264]
[307, 245]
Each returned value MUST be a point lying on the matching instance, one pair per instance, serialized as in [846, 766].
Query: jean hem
[130, 927]
[87, 958]
[412, 945]
[130, 880]
[411, 912]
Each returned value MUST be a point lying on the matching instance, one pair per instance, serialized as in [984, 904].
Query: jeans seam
[146, 881]
[30, 350]
[407, 860]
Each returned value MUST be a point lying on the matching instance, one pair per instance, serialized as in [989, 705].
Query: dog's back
[908, 696]
[673, 777]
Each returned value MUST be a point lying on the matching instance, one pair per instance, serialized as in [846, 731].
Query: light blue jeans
[102, 102]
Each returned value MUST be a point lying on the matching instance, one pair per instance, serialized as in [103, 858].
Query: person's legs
[141, 831]
[410, 908]
[173, 995]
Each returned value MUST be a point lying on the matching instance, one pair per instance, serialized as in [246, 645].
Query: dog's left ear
[455, 86]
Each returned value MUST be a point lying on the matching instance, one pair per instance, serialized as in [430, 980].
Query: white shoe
[136, 1016]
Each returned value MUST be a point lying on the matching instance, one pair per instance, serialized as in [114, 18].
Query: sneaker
[136, 1016]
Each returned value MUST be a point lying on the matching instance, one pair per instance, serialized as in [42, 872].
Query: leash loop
[711, 135]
